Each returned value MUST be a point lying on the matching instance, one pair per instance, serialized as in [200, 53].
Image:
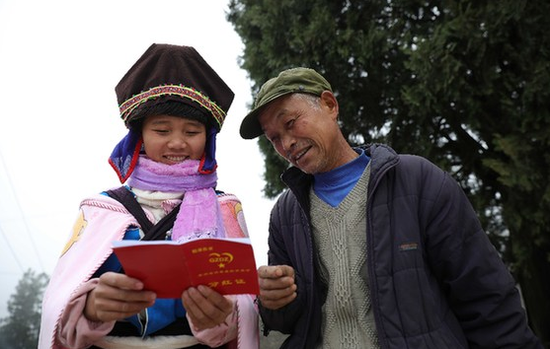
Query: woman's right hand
[117, 296]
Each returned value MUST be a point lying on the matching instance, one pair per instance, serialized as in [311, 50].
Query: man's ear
[328, 100]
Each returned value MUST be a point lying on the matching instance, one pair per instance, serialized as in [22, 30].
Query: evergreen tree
[463, 83]
[21, 328]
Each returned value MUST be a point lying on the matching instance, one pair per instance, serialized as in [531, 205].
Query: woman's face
[171, 139]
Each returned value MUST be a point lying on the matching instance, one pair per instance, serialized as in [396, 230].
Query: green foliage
[21, 328]
[274, 166]
[464, 83]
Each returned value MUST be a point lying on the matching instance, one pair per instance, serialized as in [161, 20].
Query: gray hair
[312, 100]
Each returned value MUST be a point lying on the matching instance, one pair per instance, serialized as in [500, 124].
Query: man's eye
[290, 122]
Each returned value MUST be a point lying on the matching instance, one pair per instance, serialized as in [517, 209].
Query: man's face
[304, 131]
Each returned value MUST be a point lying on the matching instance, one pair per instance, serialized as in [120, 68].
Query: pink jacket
[102, 220]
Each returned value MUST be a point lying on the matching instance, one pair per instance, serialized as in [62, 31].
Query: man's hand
[277, 286]
[116, 297]
[205, 307]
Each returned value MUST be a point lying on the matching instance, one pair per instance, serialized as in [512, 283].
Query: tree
[21, 328]
[463, 83]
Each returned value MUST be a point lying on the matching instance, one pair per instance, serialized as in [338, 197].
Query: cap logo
[129, 105]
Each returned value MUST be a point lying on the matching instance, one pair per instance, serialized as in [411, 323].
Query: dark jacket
[436, 281]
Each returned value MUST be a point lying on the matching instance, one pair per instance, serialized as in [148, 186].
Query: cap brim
[250, 126]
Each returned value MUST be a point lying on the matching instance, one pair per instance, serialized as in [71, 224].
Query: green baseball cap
[294, 80]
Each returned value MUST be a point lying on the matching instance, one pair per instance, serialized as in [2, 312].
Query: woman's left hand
[205, 307]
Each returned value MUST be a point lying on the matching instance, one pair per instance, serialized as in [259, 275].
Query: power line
[11, 249]
[18, 205]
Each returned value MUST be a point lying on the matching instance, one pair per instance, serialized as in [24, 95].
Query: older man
[368, 248]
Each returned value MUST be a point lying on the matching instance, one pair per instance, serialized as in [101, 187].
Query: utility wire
[33, 244]
[11, 249]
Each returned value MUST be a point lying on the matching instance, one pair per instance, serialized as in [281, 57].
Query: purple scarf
[199, 212]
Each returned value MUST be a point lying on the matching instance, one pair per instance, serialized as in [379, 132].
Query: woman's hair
[171, 108]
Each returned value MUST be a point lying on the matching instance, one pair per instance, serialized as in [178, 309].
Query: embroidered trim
[129, 105]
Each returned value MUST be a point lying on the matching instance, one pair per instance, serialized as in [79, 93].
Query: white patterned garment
[340, 237]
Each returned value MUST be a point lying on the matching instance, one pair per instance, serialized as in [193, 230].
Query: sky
[59, 63]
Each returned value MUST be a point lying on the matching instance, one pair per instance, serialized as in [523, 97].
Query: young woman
[174, 104]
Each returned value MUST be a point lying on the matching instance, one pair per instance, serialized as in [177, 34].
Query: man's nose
[288, 143]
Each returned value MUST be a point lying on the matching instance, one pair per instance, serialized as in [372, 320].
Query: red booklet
[169, 268]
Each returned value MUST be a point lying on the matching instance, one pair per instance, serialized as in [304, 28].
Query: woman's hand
[116, 297]
[205, 307]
